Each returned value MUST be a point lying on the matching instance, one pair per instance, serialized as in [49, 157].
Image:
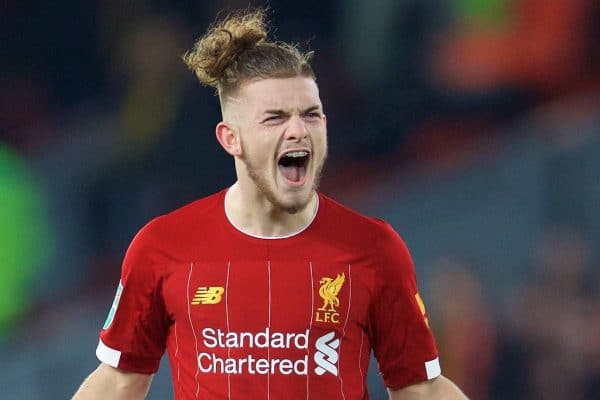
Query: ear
[228, 138]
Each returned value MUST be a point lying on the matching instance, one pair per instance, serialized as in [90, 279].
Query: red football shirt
[262, 318]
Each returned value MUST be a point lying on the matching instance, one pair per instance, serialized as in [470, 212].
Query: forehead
[286, 94]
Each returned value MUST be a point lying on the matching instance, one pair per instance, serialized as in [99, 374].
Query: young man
[267, 290]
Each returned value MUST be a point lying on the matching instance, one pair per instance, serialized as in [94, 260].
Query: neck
[257, 216]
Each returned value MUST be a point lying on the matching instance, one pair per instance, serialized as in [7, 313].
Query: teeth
[296, 154]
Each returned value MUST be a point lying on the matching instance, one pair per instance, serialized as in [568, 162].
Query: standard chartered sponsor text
[209, 362]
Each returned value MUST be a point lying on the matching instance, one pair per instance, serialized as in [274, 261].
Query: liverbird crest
[329, 291]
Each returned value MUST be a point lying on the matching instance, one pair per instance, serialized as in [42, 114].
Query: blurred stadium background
[473, 126]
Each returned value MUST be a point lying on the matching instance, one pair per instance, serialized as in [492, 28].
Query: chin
[295, 205]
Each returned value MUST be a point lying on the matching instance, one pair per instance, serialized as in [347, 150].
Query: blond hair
[237, 49]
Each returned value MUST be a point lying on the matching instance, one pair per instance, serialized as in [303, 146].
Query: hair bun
[222, 45]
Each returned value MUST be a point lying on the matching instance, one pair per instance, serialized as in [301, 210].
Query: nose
[296, 129]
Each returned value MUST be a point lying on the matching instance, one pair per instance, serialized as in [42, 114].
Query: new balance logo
[208, 295]
[327, 356]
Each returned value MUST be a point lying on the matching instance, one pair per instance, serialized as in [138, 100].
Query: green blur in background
[481, 14]
[25, 243]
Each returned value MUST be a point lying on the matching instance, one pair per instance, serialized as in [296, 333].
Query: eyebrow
[284, 112]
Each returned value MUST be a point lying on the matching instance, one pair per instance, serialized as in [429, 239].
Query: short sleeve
[402, 341]
[133, 337]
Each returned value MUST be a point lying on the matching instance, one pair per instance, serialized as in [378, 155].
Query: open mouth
[293, 164]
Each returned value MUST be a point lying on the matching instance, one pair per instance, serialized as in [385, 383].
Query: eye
[273, 119]
[313, 115]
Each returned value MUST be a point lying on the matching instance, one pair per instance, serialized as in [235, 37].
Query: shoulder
[160, 238]
[198, 211]
[388, 251]
[180, 220]
[346, 220]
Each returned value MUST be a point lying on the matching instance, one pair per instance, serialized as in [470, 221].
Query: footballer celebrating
[268, 289]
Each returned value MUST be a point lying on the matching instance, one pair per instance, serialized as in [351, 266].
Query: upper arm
[440, 388]
[107, 382]
[402, 341]
[134, 335]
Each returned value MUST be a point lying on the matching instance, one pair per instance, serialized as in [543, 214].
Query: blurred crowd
[102, 128]
[541, 343]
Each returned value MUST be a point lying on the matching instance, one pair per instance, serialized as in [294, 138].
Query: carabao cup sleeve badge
[113, 308]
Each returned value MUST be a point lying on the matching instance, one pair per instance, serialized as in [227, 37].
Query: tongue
[292, 173]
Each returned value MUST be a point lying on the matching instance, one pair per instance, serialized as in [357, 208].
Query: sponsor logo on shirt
[208, 295]
[329, 290]
[326, 356]
[214, 360]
